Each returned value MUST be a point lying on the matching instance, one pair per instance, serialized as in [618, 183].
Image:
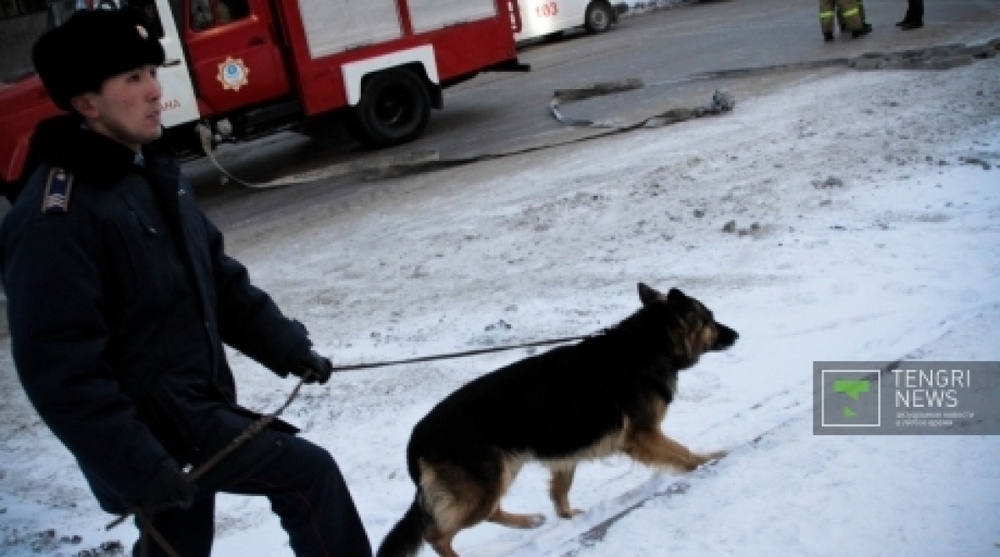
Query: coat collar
[63, 141]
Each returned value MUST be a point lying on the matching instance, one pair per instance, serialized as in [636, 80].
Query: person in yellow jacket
[850, 15]
[865, 26]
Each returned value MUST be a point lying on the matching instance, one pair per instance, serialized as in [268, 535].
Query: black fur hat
[91, 46]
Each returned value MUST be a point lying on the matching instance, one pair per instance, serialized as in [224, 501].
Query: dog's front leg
[515, 520]
[650, 446]
[562, 479]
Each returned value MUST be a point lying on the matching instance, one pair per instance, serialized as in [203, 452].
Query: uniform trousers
[306, 491]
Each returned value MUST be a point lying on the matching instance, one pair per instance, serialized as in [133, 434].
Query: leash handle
[236, 443]
[148, 532]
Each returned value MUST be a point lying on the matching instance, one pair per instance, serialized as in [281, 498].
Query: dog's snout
[725, 337]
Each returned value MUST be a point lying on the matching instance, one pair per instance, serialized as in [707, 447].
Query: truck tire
[598, 17]
[394, 108]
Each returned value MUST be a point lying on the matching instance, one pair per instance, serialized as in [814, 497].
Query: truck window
[61, 10]
[208, 14]
[148, 7]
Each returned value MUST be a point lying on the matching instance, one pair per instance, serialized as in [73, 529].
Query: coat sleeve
[56, 311]
[249, 320]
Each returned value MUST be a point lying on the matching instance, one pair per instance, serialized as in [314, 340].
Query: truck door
[235, 53]
[178, 102]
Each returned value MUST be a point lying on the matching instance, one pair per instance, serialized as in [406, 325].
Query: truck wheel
[599, 17]
[394, 108]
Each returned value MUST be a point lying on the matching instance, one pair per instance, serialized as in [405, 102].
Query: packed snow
[816, 233]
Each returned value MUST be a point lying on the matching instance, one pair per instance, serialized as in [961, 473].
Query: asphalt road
[499, 113]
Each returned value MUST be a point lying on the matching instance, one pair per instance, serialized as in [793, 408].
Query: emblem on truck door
[233, 74]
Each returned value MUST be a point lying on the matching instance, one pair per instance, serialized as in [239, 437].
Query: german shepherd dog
[605, 395]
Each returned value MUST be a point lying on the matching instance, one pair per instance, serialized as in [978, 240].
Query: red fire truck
[247, 68]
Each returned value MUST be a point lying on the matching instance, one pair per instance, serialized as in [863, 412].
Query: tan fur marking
[709, 334]
[451, 498]
[686, 339]
[658, 408]
[605, 446]
[513, 520]
[562, 479]
[441, 543]
[457, 501]
[649, 445]
[562, 470]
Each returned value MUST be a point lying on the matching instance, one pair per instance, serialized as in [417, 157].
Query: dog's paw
[517, 520]
[715, 455]
[568, 513]
[702, 459]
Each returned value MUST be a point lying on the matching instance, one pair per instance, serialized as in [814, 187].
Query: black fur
[557, 404]
[407, 535]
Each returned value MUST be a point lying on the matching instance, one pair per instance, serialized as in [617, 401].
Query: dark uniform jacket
[120, 297]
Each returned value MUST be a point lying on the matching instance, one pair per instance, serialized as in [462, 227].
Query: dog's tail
[406, 537]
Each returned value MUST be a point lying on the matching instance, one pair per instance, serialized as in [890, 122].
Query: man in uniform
[121, 298]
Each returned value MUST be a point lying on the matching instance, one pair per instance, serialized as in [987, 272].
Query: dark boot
[827, 37]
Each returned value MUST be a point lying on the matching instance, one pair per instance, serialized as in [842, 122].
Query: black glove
[170, 491]
[314, 368]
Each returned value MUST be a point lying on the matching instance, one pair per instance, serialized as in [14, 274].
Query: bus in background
[549, 18]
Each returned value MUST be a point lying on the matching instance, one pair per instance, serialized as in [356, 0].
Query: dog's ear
[675, 296]
[649, 295]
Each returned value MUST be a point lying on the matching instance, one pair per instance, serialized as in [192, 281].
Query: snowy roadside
[897, 255]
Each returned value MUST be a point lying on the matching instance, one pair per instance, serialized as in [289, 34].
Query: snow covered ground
[896, 256]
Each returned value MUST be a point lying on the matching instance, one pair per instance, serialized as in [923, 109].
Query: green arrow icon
[851, 387]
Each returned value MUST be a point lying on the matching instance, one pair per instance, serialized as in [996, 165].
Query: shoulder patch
[58, 187]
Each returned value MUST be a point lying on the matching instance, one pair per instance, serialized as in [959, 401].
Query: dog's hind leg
[454, 499]
[453, 507]
[562, 479]
[441, 542]
[447, 521]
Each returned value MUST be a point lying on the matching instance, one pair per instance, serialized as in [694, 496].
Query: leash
[266, 420]
[455, 355]
[200, 471]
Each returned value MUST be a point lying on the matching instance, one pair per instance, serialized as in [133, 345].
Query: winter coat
[120, 299]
